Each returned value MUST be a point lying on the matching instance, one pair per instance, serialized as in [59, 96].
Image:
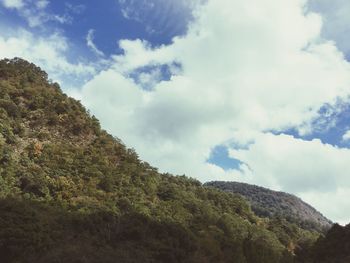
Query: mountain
[70, 192]
[268, 203]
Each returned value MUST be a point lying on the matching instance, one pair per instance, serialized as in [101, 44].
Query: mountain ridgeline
[272, 204]
[70, 192]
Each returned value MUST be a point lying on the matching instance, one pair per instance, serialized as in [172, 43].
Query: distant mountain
[268, 203]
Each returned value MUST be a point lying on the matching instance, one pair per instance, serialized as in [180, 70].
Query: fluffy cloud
[49, 52]
[247, 67]
[296, 165]
[346, 136]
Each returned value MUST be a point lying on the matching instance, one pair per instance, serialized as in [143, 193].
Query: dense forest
[333, 248]
[70, 192]
[268, 203]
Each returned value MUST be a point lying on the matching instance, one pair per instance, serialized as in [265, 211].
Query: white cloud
[18, 4]
[35, 12]
[37, 18]
[42, 4]
[90, 43]
[247, 67]
[295, 165]
[148, 80]
[346, 136]
[49, 52]
[139, 53]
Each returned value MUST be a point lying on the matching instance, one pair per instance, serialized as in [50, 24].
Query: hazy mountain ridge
[268, 203]
[70, 192]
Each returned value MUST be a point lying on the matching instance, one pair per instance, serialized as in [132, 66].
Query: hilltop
[268, 203]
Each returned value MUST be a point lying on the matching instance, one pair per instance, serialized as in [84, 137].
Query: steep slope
[70, 192]
[268, 203]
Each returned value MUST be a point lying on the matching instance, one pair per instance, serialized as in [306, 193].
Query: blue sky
[157, 22]
[329, 127]
[254, 91]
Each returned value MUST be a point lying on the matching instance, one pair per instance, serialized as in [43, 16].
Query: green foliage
[334, 247]
[70, 192]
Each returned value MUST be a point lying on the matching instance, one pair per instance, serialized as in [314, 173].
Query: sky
[255, 91]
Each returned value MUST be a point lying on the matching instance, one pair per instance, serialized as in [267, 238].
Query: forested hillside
[268, 203]
[70, 192]
[333, 248]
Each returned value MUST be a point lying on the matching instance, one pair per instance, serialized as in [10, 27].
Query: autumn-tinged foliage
[70, 192]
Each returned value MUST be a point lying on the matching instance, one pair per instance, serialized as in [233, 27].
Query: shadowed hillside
[333, 248]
